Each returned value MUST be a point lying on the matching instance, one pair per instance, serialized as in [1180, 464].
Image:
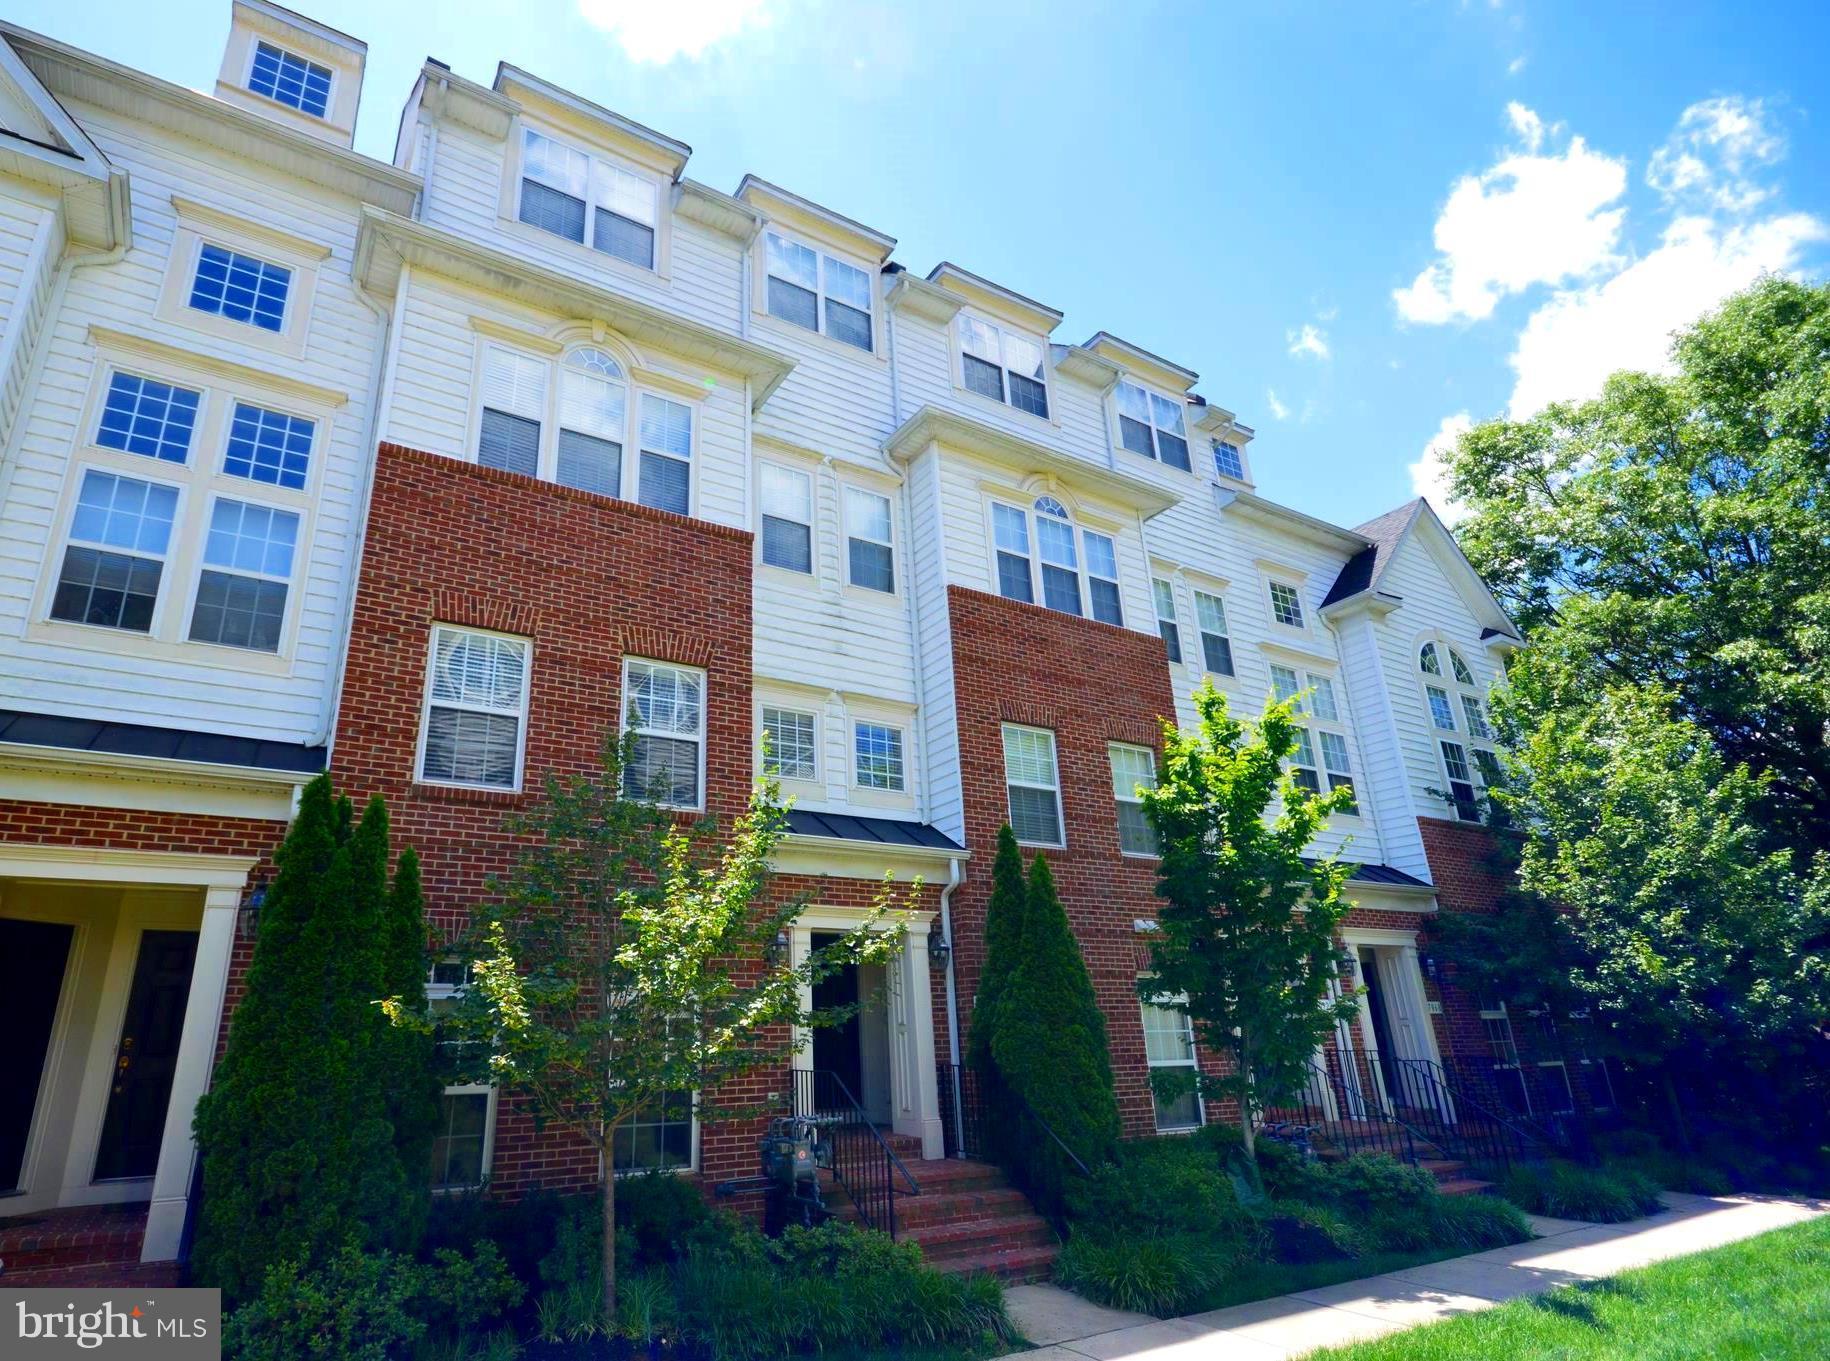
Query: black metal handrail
[963, 1116]
[1472, 1126]
[863, 1163]
[1341, 1103]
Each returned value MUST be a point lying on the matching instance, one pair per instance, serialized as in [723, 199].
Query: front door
[147, 1056]
[1384, 1072]
[836, 1048]
[32, 960]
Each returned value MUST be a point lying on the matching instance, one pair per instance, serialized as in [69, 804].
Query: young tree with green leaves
[1246, 931]
[1674, 532]
[300, 1148]
[630, 958]
[1049, 1045]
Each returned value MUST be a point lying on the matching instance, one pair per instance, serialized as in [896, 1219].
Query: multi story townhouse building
[435, 473]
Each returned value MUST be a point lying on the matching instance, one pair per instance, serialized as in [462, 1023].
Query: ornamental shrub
[1162, 1276]
[1567, 1191]
[1159, 1188]
[1049, 1045]
[297, 1135]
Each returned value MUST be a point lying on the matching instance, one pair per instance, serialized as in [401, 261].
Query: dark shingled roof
[171, 744]
[883, 831]
[1364, 567]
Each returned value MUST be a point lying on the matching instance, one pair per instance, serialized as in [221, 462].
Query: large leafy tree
[1652, 901]
[315, 1128]
[1676, 531]
[630, 957]
[1246, 930]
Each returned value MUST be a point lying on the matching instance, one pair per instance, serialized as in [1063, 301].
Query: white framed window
[1133, 768]
[1169, 1042]
[664, 709]
[659, 1138]
[1055, 551]
[289, 79]
[269, 446]
[514, 392]
[817, 291]
[1302, 762]
[1216, 642]
[1033, 785]
[1167, 627]
[1468, 762]
[1337, 767]
[593, 422]
[588, 199]
[1002, 364]
[141, 415]
[1323, 735]
[793, 743]
[474, 726]
[1151, 424]
[1286, 605]
[246, 574]
[465, 1134]
[228, 283]
[666, 481]
[785, 497]
[115, 552]
[1228, 460]
[870, 554]
[877, 757]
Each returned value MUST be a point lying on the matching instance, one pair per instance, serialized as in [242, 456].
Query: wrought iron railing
[1341, 1103]
[865, 1167]
[1555, 1101]
[1459, 1124]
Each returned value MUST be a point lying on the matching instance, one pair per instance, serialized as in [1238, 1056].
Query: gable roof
[1385, 534]
[41, 143]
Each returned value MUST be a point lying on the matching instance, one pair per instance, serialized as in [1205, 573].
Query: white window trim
[691, 1165]
[199, 479]
[806, 710]
[1456, 692]
[513, 163]
[1024, 503]
[902, 735]
[1156, 454]
[1178, 1001]
[636, 385]
[811, 473]
[625, 726]
[1133, 799]
[846, 536]
[201, 565]
[1213, 460]
[247, 79]
[425, 709]
[1314, 725]
[198, 225]
[957, 347]
[441, 992]
[843, 779]
[1156, 613]
[759, 300]
[1216, 591]
[1054, 752]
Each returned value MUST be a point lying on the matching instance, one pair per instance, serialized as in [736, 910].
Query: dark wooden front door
[32, 960]
[836, 1048]
[147, 1057]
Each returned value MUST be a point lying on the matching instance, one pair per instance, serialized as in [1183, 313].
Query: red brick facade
[589, 581]
[1461, 856]
[1016, 663]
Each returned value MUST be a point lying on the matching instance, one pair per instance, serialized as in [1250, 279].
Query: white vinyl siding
[1033, 785]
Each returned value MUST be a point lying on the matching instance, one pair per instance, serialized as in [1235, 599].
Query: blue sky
[1363, 225]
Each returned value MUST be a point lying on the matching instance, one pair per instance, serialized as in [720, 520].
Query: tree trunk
[1678, 1122]
[1248, 1129]
[609, 1252]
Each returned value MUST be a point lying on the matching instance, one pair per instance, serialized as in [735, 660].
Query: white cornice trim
[23, 860]
[260, 231]
[1135, 359]
[817, 855]
[103, 338]
[932, 425]
[708, 207]
[995, 299]
[20, 755]
[1251, 506]
[760, 194]
[919, 298]
[385, 241]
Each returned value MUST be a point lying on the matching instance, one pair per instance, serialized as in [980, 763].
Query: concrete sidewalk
[1067, 1328]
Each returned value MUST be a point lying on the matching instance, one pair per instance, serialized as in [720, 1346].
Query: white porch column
[191, 1077]
[914, 1090]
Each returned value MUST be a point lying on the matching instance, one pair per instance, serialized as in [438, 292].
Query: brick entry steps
[967, 1218]
[88, 1245]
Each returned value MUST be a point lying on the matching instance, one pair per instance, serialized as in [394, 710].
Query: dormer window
[813, 290]
[1003, 365]
[1151, 424]
[568, 193]
[1228, 461]
[290, 80]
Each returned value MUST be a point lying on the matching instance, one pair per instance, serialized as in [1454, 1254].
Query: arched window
[1458, 713]
[1462, 675]
[1062, 552]
[1429, 661]
[593, 416]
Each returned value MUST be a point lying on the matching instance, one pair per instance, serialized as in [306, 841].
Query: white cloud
[1533, 217]
[1516, 65]
[1711, 157]
[1430, 474]
[660, 34]
[1279, 412]
[1308, 342]
[1580, 336]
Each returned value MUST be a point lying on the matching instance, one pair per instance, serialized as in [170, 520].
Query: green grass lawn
[1767, 1298]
